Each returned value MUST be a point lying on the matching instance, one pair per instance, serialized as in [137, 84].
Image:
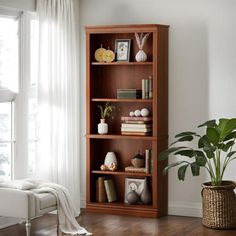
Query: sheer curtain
[57, 158]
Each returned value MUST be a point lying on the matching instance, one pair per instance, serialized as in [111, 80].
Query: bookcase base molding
[128, 210]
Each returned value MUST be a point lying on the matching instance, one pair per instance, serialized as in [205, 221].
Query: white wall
[28, 5]
[202, 70]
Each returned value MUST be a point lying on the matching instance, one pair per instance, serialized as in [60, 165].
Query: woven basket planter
[219, 205]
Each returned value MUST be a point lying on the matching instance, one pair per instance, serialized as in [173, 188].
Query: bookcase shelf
[121, 173]
[117, 136]
[102, 83]
[122, 63]
[121, 100]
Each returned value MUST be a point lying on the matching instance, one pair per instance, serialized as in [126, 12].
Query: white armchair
[26, 204]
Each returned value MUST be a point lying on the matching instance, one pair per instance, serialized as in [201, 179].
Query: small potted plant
[105, 112]
[214, 153]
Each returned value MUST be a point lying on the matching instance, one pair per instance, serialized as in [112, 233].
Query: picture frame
[133, 184]
[122, 49]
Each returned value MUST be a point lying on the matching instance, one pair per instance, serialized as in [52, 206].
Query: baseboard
[185, 209]
[178, 209]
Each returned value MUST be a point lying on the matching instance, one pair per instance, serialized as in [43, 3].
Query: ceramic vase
[132, 197]
[110, 158]
[146, 196]
[102, 127]
[141, 56]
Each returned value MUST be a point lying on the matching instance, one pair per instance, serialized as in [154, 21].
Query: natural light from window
[9, 57]
[6, 140]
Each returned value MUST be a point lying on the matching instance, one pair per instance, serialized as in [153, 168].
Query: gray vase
[132, 197]
[146, 196]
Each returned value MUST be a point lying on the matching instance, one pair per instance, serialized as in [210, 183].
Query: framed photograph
[122, 49]
[133, 184]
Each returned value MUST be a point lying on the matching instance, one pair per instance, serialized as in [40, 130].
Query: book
[143, 88]
[137, 122]
[129, 93]
[150, 87]
[151, 162]
[100, 190]
[135, 169]
[135, 129]
[147, 160]
[146, 89]
[135, 133]
[110, 190]
[135, 118]
[145, 126]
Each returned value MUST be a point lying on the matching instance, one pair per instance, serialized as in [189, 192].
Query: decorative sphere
[131, 113]
[145, 112]
[137, 113]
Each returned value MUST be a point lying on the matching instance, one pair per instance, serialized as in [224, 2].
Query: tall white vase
[102, 127]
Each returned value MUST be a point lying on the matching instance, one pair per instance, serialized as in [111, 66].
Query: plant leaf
[195, 169]
[187, 153]
[201, 160]
[213, 135]
[204, 142]
[231, 153]
[209, 123]
[183, 139]
[228, 128]
[172, 165]
[227, 146]
[209, 154]
[230, 136]
[182, 172]
[186, 134]
[165, 154]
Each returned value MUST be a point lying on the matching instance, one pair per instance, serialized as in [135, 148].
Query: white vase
[141, 56]
[102, 127]
[110, 158]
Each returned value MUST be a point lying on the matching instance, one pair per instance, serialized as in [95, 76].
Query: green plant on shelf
[107, 110]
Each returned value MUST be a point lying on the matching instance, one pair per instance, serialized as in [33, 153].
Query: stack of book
[147, 88]
[129, 93]
[105, 190]
[136, 125]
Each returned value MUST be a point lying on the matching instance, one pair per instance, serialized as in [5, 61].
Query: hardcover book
[100, 190]
[134, 118]
[110, 190]
[139, 126]
[135, 169]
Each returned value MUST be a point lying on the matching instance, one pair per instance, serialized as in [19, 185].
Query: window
[6, 140]
[9, 80]
[9, 71]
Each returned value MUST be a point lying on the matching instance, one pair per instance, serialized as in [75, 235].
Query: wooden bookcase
[102, 81]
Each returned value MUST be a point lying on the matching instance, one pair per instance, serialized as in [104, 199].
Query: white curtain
[57, 158]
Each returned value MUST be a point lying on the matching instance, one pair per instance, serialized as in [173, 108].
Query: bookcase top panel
[124, 28]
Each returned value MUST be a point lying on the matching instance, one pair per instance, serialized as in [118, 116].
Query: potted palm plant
[214, 153]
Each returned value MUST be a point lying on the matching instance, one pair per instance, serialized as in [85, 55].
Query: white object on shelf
[137, 113]
[102, 127]
[131, 113]
[110, 158]
[145, 112]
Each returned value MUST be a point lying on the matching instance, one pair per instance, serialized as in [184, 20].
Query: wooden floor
[106, 225]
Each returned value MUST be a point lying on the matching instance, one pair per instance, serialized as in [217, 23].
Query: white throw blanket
[66, 211]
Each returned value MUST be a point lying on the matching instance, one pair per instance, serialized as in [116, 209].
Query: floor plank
[111, 225]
